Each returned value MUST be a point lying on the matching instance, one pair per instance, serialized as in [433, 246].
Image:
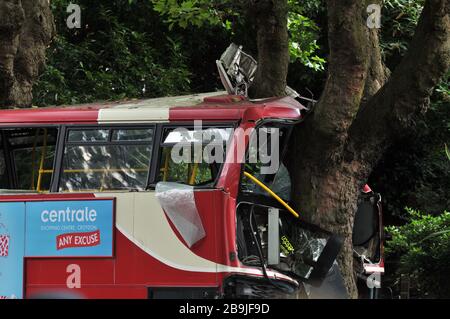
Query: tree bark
[26, 30]
[270, 17]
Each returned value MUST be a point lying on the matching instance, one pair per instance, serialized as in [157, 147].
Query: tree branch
[354, 54]
[273, 47]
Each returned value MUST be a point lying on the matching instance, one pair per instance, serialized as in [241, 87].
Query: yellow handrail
[194, 174]
[195, 170]
[166, 165]
[268, 190]
[96, 170]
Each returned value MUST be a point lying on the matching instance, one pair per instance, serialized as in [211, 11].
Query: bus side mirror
[273, 254]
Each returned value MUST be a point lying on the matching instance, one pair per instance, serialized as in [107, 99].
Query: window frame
[280, 123]
[7, 149]
[9, 163]
[164, 127]
[64, 142]
[62, 137]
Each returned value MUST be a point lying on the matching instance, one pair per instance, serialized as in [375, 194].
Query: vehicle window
[3, 172]
[267, 153]
[133, 135]
[185, 172]
[193, 157]
[32, 152]
[88, 135]
[119, 161]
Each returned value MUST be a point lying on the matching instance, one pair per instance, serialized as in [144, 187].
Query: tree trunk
[326, 187]
[26, 30]
[270, 17]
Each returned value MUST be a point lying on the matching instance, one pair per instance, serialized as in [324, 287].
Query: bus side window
[4, 183]
[106, 159]
[32, 152]
[186, 173]
[196, 165]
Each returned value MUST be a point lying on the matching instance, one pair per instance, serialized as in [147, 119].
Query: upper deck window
[106, 159]
[192, 156]
[3, 171]
[88, 136]
[133, 135]
[27, 158]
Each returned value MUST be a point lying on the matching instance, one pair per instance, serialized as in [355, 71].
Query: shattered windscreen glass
[300, 248]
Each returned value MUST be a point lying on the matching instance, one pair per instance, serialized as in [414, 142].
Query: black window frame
[164, 127]
[64, 142]
[8, 148]
[278, 123]
[157, 144]
[10, 167]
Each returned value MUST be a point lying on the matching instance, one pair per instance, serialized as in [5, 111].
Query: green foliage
[443, 90]
[183, 172]
[399, 21]
[113, 56]
[195, 12]
[304, 32]
[303, 41]
[422, 247]
[146, 48]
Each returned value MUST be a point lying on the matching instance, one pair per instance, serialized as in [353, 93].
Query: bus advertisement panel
[69, 228]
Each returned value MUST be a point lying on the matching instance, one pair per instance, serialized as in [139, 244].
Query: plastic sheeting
[178, 202]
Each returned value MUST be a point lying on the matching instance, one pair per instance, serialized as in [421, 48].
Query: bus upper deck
[106, 160]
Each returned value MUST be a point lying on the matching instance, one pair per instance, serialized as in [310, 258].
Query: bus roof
[216, 106]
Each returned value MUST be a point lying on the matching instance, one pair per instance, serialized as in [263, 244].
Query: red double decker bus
[140, 200]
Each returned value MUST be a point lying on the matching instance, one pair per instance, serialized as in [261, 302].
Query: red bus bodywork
[135, 267]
